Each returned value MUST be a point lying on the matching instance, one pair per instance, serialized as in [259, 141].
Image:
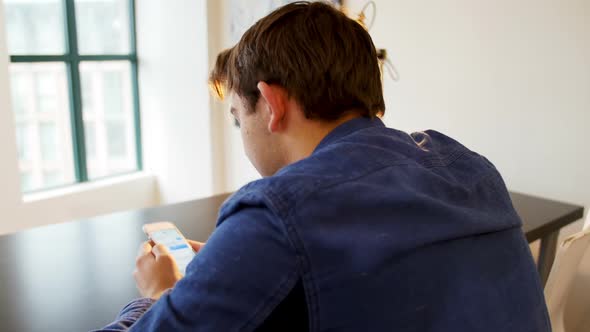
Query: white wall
[175, 102]
[509, 79]
[61, 205]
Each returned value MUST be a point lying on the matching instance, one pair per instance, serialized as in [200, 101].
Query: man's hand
[156, 269]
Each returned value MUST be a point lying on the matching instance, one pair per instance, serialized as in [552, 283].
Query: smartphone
[167, 234]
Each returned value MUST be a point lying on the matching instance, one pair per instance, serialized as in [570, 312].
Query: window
[48, 139]
[74, 90]
[22, 136]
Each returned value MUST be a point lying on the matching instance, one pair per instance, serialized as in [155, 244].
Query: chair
[563, 274]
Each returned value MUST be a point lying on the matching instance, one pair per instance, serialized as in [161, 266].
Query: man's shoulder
[377, 157]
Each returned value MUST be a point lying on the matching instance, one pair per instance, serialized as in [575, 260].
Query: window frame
[72, 59]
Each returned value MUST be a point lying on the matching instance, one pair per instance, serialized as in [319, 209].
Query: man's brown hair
[323, 59]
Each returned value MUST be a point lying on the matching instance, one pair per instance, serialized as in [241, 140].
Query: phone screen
[177, 246]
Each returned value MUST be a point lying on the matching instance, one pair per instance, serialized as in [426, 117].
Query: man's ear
[275, 98]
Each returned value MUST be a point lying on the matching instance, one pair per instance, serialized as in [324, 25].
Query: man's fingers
[144, 249]
[160, 250]
[143, 254]
[163, 256]
[196, 245]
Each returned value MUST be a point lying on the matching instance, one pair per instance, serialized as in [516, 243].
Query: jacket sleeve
[247, 267]
[128, 315]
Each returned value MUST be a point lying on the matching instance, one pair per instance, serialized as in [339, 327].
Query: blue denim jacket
[385, 231]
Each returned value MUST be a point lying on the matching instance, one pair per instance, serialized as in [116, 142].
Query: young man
[354, 226]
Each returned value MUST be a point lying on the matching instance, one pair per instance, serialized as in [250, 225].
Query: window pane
[87, 96]
[46, 92]
[35, 26]
[23, 142]
[43, 128]
[103, 26]
[52, 178]
[113, 87]
[19, 88]
[108, 117]
[48, 139]
[26, 182]
[115, 135]
[90, 136]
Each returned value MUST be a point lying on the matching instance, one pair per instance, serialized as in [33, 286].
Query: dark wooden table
[76, 276]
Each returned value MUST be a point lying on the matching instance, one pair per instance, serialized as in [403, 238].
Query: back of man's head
[326, 61]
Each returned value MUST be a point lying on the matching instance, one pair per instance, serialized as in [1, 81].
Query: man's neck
[303, 142]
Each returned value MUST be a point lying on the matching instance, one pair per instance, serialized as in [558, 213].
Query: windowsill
[86, 187]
